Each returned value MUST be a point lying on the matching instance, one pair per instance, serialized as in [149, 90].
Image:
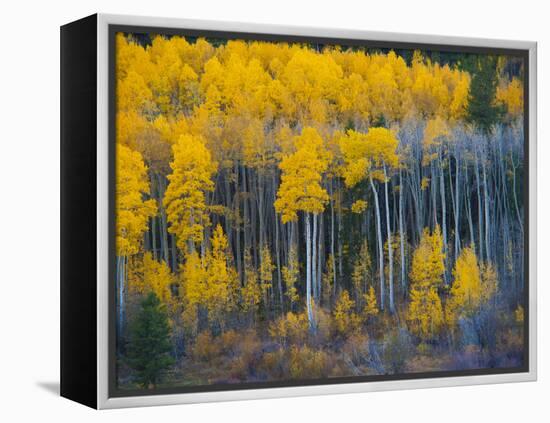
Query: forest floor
[245, 357]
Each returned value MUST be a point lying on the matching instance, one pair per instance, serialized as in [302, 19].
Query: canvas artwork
[302, 211]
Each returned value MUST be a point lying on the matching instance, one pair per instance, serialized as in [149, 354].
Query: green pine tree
[149, 342]
[482, 110]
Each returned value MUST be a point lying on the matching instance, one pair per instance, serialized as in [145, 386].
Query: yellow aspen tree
[511, 95]
[132, 214]
[219, 278]
[251, 291]
[437, 134]
[158, 278]
[467, 291]
[132, 211]
[301, 190]
[193, 277]
[133, 94]
[290, 278]
[185, 197]
[361, 272]
[369, 156]
[371, 305]
[425, 313]
[489, 282]
[328, 280]
[345, 318]
[266, 271]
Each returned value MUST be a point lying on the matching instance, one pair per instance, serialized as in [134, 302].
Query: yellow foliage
[436, 132]
[361, 271]
[428, 264]
[425, 313]
[251, 292]
[328, 280]
[511, 95]
[193, 274]
[465, 296]
[217, 295]
[157, 278]
[519, 314]
[365, 154]
[359, 206]
[185, 197]
[305, 362]
[290, 329]
[290, 277]
[302, 172]
[346, 320]
[371, 304]
[266, 269]
[132, 212]
[489, 282]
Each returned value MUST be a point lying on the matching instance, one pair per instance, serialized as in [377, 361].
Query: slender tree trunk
[380, 247]
[479, 208]
[443, 216]
[486, 200]
[314, 257]
[333, 257]
[308, 272]
[457, 211]
[164, 224]
[320, 256]
[520, 220]
[121, 276]
[434, 191]
[401, 232]
[468, 205]
[390, 247]
[278, 258]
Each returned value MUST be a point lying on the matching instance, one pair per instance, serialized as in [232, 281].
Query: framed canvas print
[254, 211]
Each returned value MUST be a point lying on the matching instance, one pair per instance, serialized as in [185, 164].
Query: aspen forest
[301, 211]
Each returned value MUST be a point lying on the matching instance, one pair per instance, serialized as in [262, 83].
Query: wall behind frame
[30, 193]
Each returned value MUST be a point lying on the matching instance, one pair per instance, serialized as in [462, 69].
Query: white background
[29, 209]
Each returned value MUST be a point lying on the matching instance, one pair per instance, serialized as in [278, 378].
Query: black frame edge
[78, 183]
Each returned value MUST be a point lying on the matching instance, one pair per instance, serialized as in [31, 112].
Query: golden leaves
[302, 172]
[132, 212]
[185, 197]
[366, 154]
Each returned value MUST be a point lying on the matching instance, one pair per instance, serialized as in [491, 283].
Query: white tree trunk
[314, 257]
[479, 210]
[380, 247]
[443, 216]
[486, 201]
[390, 247]
[401, 234]
[308, 272]
[457, 208]
[121, 269]
[332, 235]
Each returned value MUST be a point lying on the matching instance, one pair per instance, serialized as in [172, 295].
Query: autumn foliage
[295, 211]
